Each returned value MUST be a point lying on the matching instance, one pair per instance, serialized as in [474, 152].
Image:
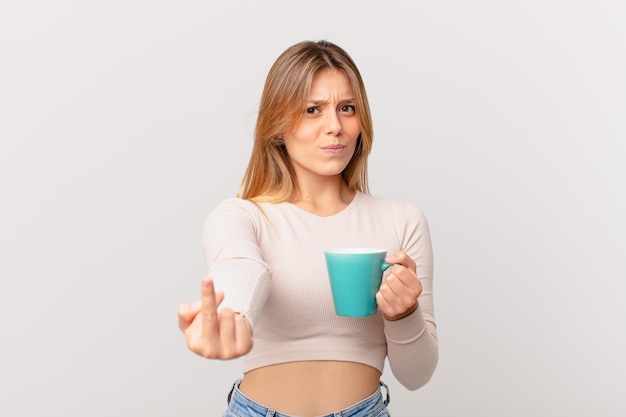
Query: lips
[334, 150]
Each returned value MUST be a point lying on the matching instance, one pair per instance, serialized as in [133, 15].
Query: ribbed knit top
[268, 259]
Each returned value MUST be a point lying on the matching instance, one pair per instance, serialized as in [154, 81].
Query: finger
[401, 258]
[243, 334]
[401, 276]
[186, 313]
[394, 298]
[404, 284]
[393, 307]
[386, 292]
[209, 310]
[227, 333]
[383, 303]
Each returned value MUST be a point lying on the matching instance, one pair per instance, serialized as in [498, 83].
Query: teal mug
[355, 275]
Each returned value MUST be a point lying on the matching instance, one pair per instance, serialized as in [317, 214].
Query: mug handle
[385, 266]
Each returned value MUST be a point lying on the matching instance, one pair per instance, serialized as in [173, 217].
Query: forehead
[330, 82]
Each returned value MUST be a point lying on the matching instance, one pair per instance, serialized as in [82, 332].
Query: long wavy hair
[270, 176]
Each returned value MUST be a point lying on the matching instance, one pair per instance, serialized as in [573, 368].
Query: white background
[123, 123]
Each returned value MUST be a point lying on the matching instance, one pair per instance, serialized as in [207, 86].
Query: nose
[333, 124]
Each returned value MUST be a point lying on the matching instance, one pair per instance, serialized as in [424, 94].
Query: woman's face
[323, 142]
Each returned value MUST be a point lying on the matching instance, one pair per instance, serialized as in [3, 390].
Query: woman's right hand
[223, 335]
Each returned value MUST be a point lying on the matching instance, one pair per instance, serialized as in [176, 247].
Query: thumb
[187, 312]
[393, 258]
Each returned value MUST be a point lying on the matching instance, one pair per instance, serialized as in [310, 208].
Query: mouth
[333, 147]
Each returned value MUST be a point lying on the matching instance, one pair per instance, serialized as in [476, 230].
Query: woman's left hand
[397, 295]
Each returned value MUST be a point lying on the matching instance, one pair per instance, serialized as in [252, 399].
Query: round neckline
[357, 195]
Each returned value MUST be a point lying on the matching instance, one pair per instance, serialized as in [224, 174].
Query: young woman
[267, 295]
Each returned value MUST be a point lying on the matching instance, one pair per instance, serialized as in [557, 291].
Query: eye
[312, 110]
[348, 108]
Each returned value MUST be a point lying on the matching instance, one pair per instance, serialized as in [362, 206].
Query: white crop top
[270, 265]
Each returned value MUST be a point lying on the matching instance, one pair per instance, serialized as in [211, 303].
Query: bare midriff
[310, 388]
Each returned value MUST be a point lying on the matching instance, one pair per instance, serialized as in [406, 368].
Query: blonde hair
[270, 176]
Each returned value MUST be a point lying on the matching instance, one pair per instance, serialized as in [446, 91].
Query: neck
[323, 198]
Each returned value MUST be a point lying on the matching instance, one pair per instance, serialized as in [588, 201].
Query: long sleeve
[412, 346]
[290, 304]
[234, 259]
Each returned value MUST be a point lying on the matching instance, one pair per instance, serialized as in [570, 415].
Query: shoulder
[386, 205]
[234, 209]
[235, 203]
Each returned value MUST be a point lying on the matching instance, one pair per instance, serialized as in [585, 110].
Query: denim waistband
[244, 406]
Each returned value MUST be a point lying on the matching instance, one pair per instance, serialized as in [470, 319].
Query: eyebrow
[345, 100]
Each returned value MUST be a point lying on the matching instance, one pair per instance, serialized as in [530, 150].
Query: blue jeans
[241, 406]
